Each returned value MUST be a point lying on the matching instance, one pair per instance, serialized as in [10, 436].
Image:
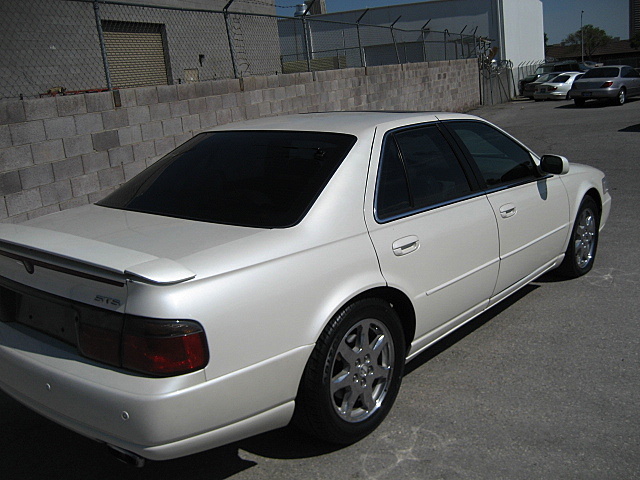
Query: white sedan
[280, 269]
[557, 88]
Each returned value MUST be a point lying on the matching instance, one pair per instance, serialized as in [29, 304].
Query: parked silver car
[613, 82]
[557, 88]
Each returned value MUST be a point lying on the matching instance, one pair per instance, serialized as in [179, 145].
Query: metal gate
[136, 54]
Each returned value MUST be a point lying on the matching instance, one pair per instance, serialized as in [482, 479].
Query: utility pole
[582, 36]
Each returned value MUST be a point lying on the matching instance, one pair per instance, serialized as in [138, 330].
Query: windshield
[602, 72]
[265, 179]
[545, 78]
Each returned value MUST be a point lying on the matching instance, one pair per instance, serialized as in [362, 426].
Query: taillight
[163, 347]
[146, 345]
[606, 84]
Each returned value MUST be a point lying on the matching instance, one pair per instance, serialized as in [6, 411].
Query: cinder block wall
[65, 151]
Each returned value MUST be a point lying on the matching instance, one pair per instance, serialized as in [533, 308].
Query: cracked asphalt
[544, 386]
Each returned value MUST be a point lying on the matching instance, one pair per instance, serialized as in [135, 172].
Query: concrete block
[214, 103]
[105, 140]
[167, 93]
[75, 202]
[112, 119]
[165, 145]
[186, 91]
[179, 109]
[127, 97]
[219, 87]
[85, 184]
[224, 116]
[252, 111]
[111, 177]
[191, 123]
[12, 111]
[208, 119]
[40, 108]
[180, 139]
[92, 162]
[121, 155]
[233, 85]
[264, 109]
[143, 151]
[146, 95]
[197, 105]
[255, 96]
[88, 123]
[39, 212]
[67, 168]
[28, 132]
[35, 176]
[151, 131]
[133, 169]
[173, 126]
[130, 135]
[55, 193]
[23, 202]
[229, 100]
[47, 152]
[71, 105]
[10, 183]
[99, 101]
[15, 157]
[3, 208]
[138, 115]
[238, 114]
[60, 127]
[204, 89]
[160, 111]
[5, 136]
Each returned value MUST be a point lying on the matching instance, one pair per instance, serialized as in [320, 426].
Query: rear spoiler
[82, 254]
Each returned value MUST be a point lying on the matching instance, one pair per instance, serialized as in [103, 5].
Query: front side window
[418, 170]
[500, 159]
[266, 179]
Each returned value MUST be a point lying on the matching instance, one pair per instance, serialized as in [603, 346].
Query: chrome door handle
[405, 245]
[508, 210]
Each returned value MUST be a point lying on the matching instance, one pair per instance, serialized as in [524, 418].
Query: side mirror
[554, 164]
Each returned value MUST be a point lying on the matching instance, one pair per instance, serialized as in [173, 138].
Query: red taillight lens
[99, 343]
[606, 84]
[163, 347]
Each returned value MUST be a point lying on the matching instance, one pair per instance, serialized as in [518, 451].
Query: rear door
[433, 229]
[532, 210]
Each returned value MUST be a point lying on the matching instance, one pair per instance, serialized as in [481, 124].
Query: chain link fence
[52, 47]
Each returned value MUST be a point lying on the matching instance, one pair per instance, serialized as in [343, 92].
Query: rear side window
[560, 79]
[603, 72]
[265, 179]
[418, 170]
[501, 160]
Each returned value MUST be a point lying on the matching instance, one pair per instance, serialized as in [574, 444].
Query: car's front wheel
[581, 252]
[354, 373]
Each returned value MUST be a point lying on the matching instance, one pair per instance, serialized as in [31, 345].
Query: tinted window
[247, 178]
[603, 72]
[560, 79]
[499, 159]
[418, 170]
[630, 73]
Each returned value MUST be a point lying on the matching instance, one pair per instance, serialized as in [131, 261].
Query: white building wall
[523, 30]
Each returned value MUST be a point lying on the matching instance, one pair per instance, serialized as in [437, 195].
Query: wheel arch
[400, 303]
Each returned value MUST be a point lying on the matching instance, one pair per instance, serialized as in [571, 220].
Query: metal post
[307, 35]
[393, 38]
[363, 59]
[444, 34]
[582, 36]
[424, 40]
[225, 12]
[103, 49]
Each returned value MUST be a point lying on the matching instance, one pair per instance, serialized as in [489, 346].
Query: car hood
[152, 248]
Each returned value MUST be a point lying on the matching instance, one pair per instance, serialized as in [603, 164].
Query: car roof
[355, 123]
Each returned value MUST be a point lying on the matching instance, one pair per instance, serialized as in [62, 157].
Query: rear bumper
[156, 418]
[550, 96]
[594, 93]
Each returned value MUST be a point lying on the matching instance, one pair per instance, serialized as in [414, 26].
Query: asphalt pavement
[545, 386]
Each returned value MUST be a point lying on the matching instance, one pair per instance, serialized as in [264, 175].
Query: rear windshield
[560, 79]
[604, 72]
[265, 179]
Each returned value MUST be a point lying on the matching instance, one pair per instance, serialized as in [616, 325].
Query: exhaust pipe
[125, 456]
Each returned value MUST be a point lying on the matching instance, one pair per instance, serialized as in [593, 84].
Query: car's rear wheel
[354, 373]
[581, 252]
[621, 97]
[579, 102]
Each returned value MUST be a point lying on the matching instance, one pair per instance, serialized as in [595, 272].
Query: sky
[561, 17]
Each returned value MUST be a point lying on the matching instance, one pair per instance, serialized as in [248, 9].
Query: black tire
[579, 102]
[583, 244]
[340, 399]
[621, 98]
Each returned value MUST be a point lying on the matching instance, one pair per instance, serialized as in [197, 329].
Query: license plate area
[56, 320]
[586, 94]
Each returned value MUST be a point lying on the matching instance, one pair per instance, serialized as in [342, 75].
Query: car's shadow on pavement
[595, 104]
[34, 447]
